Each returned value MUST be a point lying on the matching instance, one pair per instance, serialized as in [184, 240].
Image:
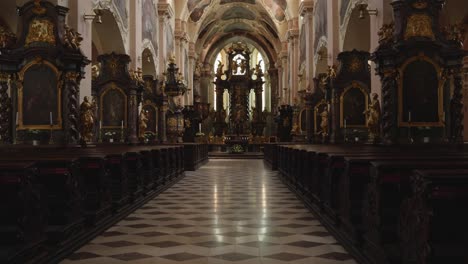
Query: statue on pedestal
[87, 110]
[143, 124]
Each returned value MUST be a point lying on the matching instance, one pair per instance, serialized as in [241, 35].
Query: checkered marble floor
[229, 211]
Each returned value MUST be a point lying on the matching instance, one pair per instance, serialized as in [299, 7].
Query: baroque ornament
[419, 25]
[386, 34]
[40, 30]
[72, 39]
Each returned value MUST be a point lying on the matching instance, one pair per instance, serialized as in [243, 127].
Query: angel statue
[234, 66]
[143, 124]
[87, 110]
[373, 117]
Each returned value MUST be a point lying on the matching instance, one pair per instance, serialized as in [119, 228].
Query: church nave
[228, 211]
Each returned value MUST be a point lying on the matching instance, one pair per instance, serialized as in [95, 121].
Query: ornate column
[285, 89]
[132, 117]
[309, 106]
[456, 107]
[205, 82]
[165, 13]
[135, 50]
[306, 10]
[162, 109]
[333, 31]
[6, 122]
[71, 114]
[465, 95]
[81, 16]
[293, 40]
[274, 87]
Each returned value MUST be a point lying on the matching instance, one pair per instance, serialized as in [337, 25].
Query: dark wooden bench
[433, 219]
[389, 185]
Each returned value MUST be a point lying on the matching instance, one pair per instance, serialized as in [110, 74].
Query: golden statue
[234, 66]
[373, 117]
[87, 110]
[72, 38]
[324, 121]
[143, 124]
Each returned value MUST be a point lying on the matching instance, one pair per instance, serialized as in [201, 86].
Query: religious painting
[152, 115]
[353, 104]
[113, 107]
[40, 30]
[150, 23]
[121, 6]
[40, 96]
[320, 21]
[420, 99]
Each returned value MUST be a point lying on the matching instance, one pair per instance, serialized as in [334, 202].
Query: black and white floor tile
[229, 211]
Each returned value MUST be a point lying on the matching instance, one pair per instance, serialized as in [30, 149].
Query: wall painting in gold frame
[153, 118]
[39, 83]
[404, 116]
[113, 110]
[358, 113]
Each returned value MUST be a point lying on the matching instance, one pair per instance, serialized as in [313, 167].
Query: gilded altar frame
[440, 94]
[354, 85]
[112, 86]
[58, 74]
[316, 112]
[149, 104]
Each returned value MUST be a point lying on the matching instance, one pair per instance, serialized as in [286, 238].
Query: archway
[357, 33]
[106, 34]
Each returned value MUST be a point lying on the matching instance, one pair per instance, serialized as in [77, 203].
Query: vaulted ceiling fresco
[261, 19]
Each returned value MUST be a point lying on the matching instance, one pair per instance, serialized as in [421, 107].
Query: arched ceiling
[263, 21]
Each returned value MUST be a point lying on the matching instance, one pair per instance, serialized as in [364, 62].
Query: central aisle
[229, 211]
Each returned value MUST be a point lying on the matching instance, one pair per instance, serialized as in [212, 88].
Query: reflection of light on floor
[215, 199]
[264, 200]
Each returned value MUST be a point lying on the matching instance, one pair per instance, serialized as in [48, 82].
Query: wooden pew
[433, 219]
[389, 185]
[23, 221]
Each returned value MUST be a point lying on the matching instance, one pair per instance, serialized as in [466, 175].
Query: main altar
[244, 121]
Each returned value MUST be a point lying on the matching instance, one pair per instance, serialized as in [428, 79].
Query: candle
[121, 125]
[16, 118]
[100, 124]
[199, 127]
[409, 116]
[50, 118]
[345, 123]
